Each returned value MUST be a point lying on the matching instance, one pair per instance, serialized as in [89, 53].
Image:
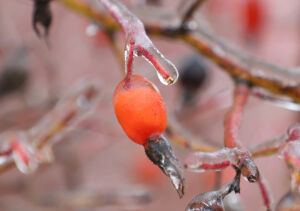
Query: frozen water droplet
[167, 81]
[92, 29]
[166, 71]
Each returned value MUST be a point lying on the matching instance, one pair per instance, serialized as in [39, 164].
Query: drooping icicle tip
[166, 71]
[161, 154]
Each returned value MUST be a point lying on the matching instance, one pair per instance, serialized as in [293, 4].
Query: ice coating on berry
[140, 109]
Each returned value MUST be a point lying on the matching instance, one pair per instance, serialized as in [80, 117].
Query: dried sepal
[42, 15]
[161, 154]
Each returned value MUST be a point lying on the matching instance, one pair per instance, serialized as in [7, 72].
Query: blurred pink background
[97, 156]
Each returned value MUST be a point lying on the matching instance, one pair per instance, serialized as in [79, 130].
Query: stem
[128, 63]
[191, 10]
[155, 63]
[266, 194]
[215, 166]
[233, 117]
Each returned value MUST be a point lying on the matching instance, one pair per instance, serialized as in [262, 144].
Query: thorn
[160, 153]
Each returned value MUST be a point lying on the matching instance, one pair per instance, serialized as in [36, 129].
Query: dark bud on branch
[193, 74]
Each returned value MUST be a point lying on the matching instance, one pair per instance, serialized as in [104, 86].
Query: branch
[277, 85]
[28, 148]
[189, 13]
[272, 146]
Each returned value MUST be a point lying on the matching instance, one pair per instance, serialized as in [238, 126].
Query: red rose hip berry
[140, 109]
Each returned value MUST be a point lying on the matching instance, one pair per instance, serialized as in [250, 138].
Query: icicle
[166, 71]
[276, 100]
[135, 33]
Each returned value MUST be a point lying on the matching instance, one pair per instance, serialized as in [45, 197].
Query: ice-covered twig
[272, 146]
[218, 160]
[266, 193]
[277, 100]
[211, 50]
[290, 154]
[188, 14]
[28, 148]
[233, 117]
[137, 37]
[128, 62]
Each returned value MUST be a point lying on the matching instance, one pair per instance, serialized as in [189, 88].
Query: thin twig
[55, 123]
[266, 193]
[191, 10]
[233, 117]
